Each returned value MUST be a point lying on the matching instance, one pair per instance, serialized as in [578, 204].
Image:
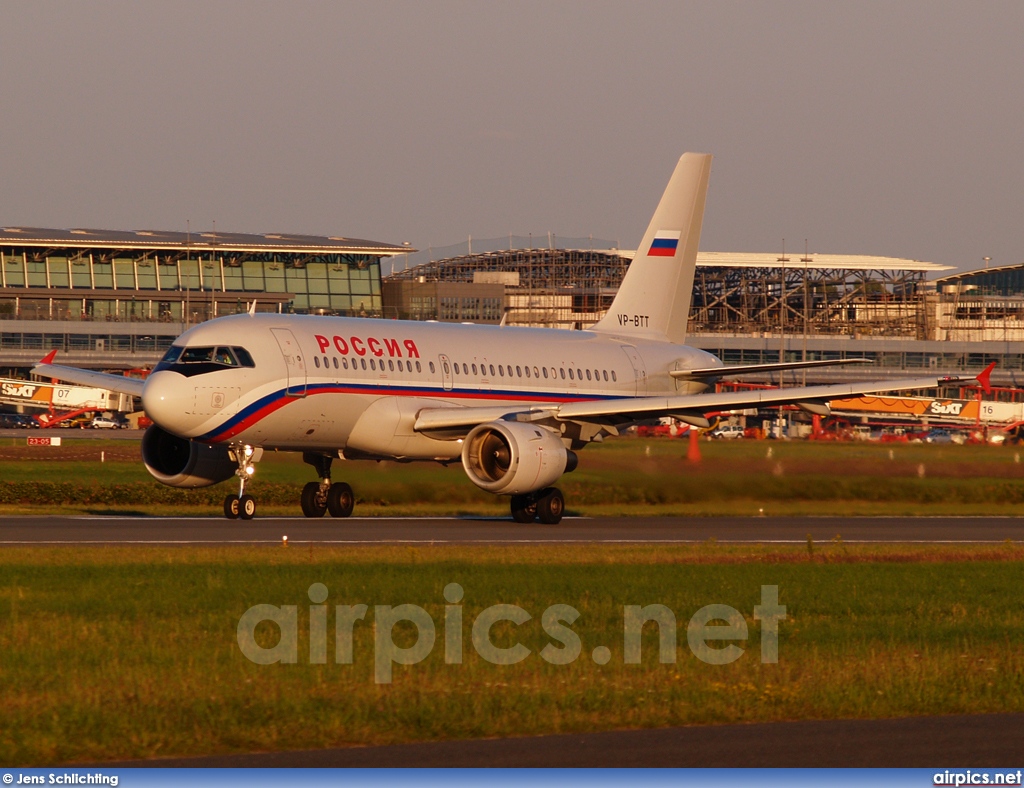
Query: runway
[953, 742]
[106, 529]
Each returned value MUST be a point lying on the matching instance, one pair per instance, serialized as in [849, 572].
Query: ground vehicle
[105, 421]
[17, 421]
[727, 431]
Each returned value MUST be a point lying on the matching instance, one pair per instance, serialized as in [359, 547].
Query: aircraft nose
[167, 399]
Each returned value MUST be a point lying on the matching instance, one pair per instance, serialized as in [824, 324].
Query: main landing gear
[547, 505]
[242, 506]
[323, 496]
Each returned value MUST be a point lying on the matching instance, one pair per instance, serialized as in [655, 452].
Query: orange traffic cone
[693, 452]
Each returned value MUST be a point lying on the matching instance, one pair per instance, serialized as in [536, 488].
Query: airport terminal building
[116, 300]
[751, 308]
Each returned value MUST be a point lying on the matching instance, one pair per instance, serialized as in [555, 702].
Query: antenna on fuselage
[252, 308]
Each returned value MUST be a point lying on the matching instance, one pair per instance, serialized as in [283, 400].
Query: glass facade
[154, 285]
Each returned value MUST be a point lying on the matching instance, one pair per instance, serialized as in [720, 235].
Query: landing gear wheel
[246, 507]
[340, 500]
[314, 503]
[231, 508]
[550, 506]
[524, 509]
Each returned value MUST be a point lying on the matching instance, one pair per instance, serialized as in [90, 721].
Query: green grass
[131, 652]
[626, 476]
[620, 477]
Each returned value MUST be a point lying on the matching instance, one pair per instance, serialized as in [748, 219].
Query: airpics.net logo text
[565, 646]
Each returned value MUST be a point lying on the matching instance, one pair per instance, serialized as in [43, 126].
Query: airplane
[513, 404]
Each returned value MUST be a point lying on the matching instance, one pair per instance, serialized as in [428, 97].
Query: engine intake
[179, 462]
[512, 458]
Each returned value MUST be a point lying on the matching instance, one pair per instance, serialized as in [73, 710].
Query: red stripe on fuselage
[314, 389]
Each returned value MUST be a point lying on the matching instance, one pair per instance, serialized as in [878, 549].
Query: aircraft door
[294, 363]
[446, 372]
[639, 369]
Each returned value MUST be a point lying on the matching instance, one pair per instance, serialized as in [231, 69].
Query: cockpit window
[196, 355]
[172, 354]
[244, 357]
[198, 360]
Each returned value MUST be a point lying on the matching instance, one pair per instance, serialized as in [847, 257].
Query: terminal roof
[203, 241]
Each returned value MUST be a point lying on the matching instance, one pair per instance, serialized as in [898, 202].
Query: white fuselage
[356, 385]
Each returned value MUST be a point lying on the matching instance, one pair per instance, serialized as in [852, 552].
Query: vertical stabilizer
[654, 299]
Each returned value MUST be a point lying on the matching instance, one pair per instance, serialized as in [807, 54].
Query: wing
[691, 408]
[718, 372]
[87, 377]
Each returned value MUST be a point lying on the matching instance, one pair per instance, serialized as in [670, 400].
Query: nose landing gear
[243, 506]
[324, 496]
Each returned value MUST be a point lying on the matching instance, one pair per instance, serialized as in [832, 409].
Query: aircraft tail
[653, 301]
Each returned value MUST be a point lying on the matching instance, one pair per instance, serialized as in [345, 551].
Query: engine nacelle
[512, 458]
[179, 462]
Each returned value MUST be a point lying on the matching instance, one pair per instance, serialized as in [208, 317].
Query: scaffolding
[733, 293]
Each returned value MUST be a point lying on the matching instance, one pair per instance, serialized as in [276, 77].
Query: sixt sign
[945, 408]
[21, 390]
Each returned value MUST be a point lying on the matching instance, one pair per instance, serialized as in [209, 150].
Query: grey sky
[877, 128]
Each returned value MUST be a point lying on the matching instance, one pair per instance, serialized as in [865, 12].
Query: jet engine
[179, 462]
[512, 458]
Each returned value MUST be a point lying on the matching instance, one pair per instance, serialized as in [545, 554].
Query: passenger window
[527, 371]
[465, 368]
[561, 371]
[344, 363]
[391, 365]
[431, 367]
[447, 370]
[363, 363]
[614, 379]
[492, 370]
[501, 370]
[456, 368]
[316, 361]
[335, 362]
[536, 373]
[418, 368]
[588, 374]
[373, 364]
[519, 372]
[474, 369]
[545, 373]
[605, 372]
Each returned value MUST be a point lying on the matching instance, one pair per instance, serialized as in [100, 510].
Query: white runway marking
[478, 541]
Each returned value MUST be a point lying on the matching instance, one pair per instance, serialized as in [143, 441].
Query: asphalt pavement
[121, 529]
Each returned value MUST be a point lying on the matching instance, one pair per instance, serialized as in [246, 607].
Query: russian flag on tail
[664, 244]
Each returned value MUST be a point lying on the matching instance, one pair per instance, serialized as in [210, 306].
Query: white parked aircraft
[514, 404]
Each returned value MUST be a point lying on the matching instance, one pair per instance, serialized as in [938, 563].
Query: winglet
[49, 357]
[983, 378]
